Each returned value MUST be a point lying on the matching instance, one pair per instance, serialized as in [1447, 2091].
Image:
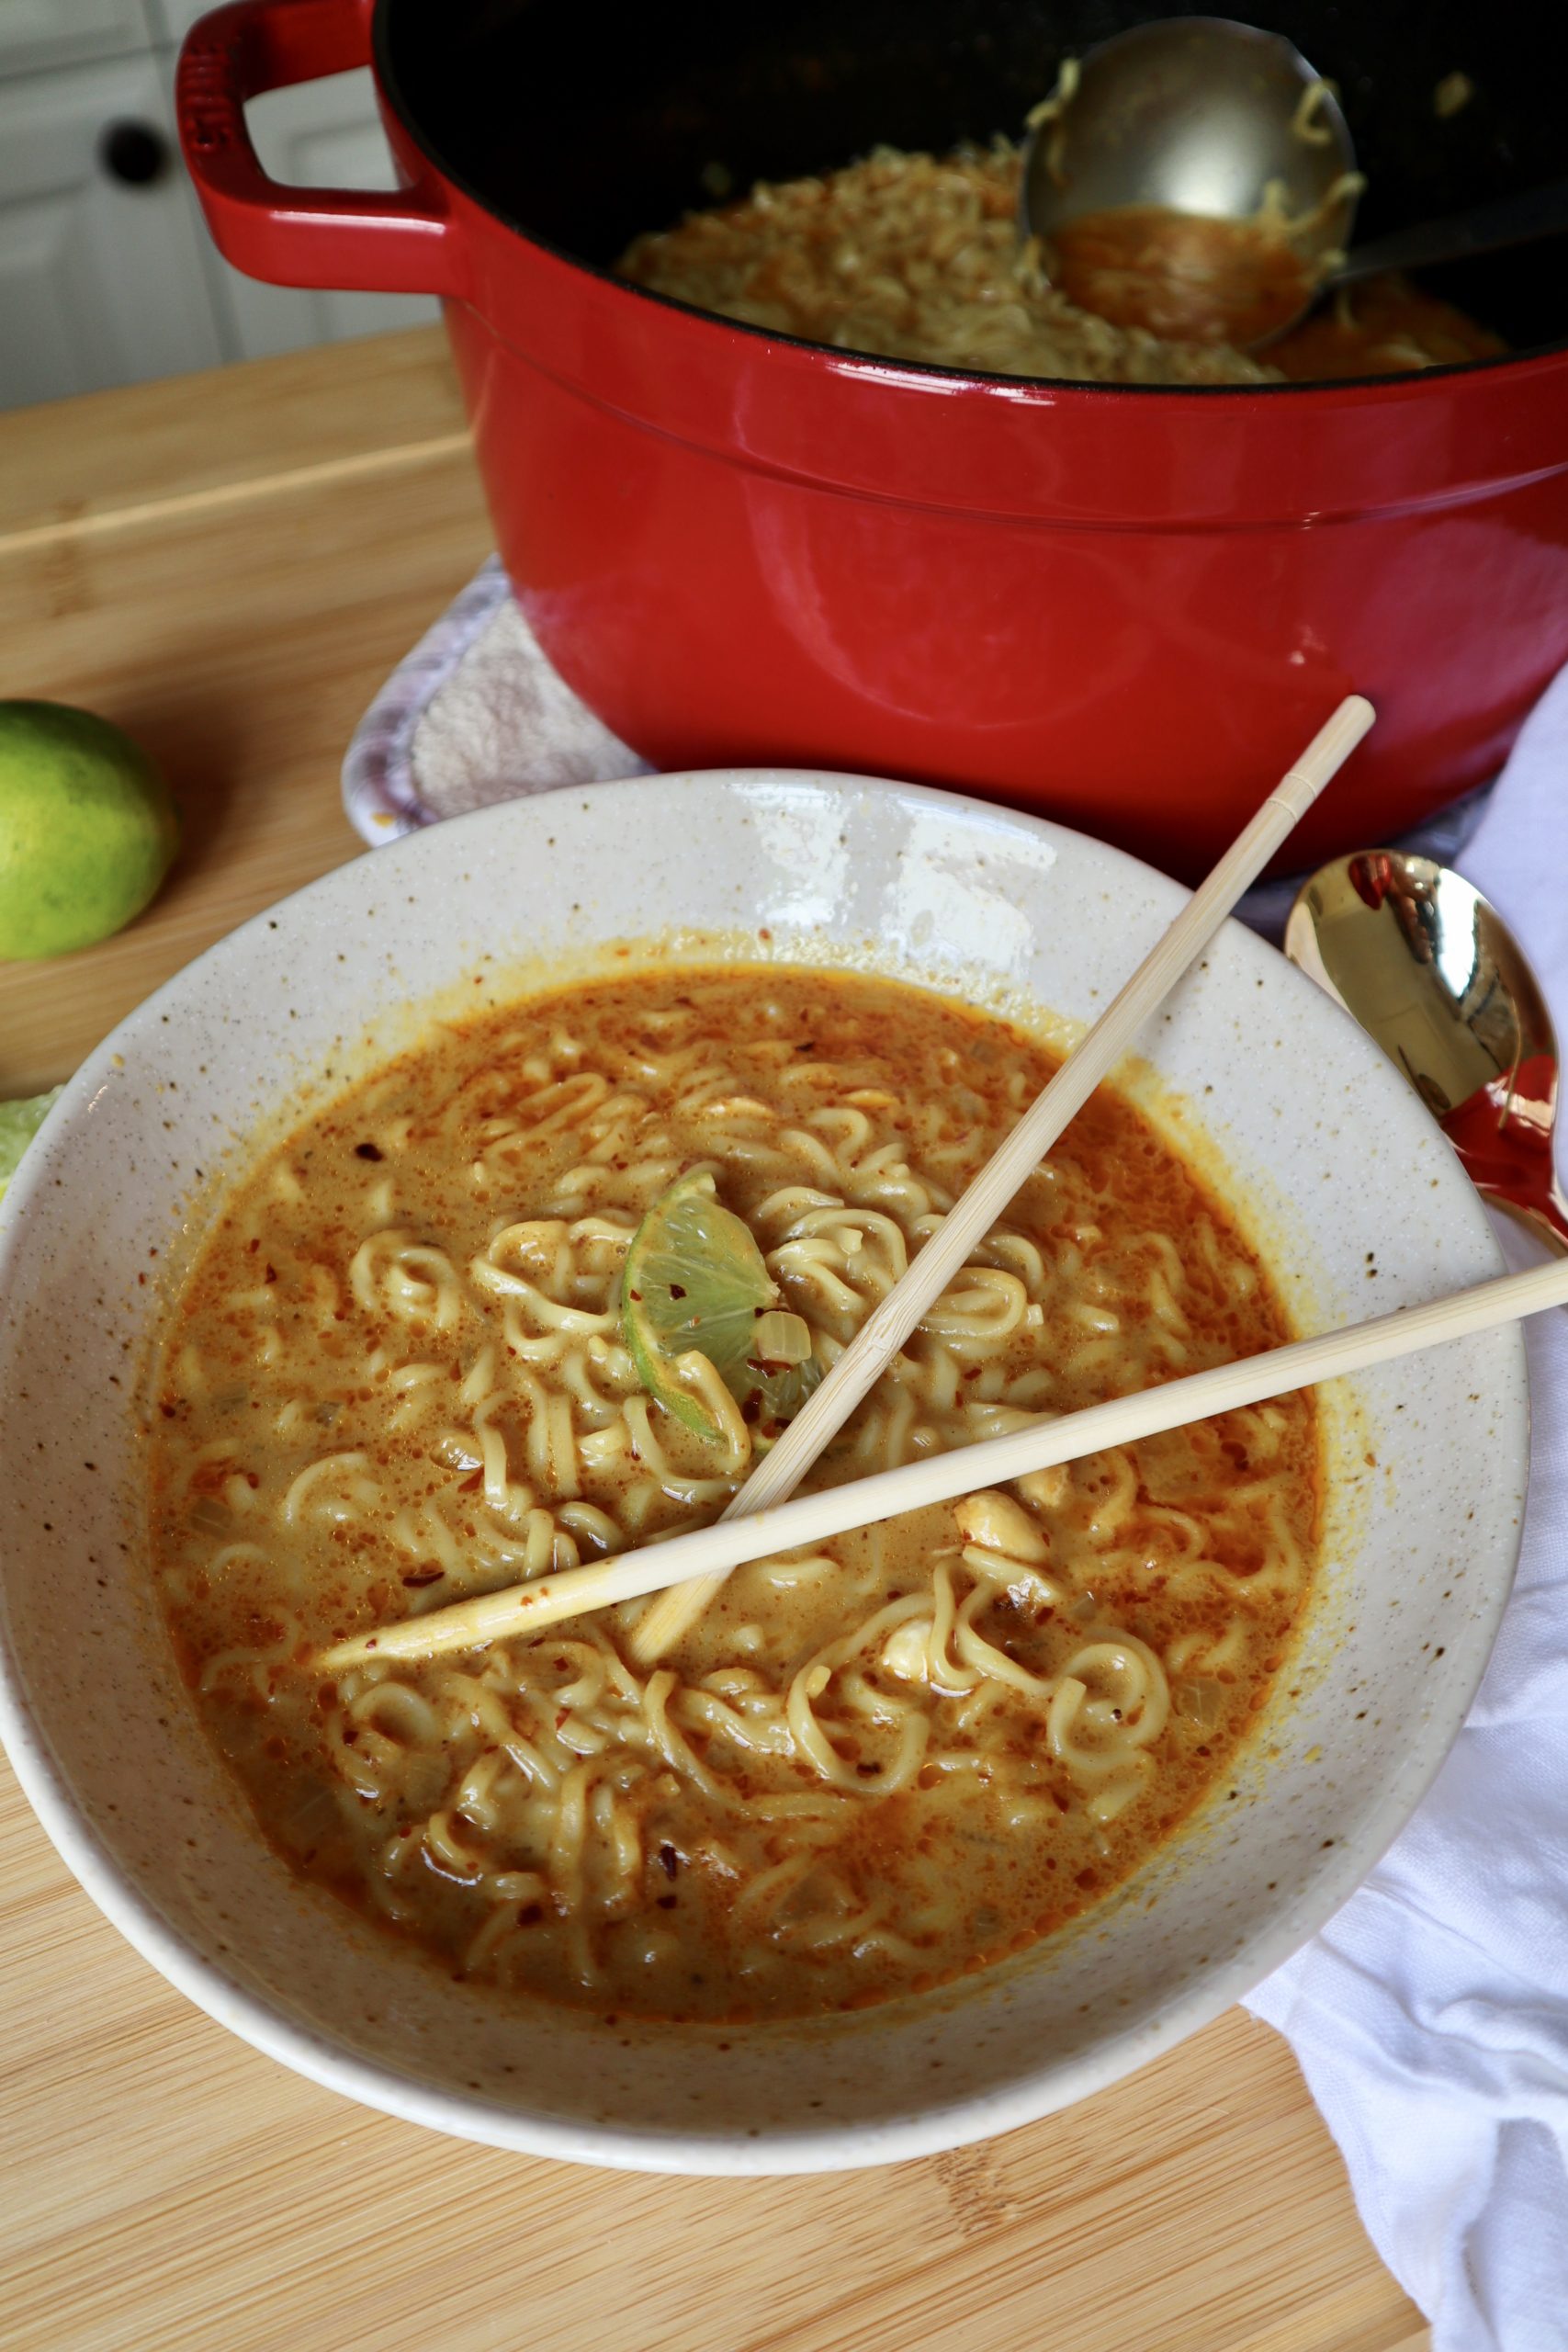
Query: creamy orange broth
[394, 1377]
[1181, 275]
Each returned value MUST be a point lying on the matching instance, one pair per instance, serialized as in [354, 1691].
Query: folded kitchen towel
[473, 714]
[1430, 2017]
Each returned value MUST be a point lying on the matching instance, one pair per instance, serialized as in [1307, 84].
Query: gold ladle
[1195, 118]
[1433, 975]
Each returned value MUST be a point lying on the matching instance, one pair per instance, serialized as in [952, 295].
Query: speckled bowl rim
[949, 2123]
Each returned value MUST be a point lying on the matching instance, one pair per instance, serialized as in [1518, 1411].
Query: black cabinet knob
[133, 152]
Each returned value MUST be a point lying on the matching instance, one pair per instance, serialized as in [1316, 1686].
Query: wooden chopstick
[816, 1518]
[972, 1216]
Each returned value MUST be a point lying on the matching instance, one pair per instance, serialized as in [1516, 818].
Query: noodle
[871, 1766]
[914, 257]
[917, 256]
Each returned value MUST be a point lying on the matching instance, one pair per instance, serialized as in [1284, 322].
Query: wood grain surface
[230, 565]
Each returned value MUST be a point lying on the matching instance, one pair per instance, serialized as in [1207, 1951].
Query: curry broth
[393, 1378]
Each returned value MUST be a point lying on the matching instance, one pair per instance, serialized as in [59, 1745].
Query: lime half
[694, 1282]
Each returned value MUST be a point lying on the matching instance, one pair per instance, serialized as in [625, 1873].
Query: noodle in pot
[917, 256]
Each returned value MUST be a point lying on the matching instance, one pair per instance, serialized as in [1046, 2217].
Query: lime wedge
[694, 1282]
[19, 1122]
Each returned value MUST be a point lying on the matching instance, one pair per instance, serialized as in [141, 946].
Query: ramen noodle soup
[913, 257]
[395, 1376]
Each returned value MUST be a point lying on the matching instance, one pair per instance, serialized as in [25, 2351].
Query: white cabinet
[172, 19]
[108, 274]
[101, 277]
[59, 32]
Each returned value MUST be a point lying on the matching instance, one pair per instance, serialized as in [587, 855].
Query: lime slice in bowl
[695, 1283]
[19, 1122]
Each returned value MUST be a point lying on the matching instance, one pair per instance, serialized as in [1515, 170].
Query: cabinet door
[172, 19]
[101, 275]
[64, 32]
[318, 134]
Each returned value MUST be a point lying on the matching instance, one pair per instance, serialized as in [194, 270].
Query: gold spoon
[1436, 978]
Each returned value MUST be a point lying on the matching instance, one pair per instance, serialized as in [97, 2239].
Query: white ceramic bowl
[1339, 1173]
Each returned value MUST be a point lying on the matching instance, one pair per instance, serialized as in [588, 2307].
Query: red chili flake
[475, 1478]
[669, 1860]
[677, 1290]
[667, 1902]
[530, 1914]
[368, 1152]
[417, 1576]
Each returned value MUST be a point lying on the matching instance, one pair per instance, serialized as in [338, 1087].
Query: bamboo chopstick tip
[1323, 757]
[1345, 727]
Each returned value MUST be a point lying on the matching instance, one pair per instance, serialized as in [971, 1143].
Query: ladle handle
[1485, 229]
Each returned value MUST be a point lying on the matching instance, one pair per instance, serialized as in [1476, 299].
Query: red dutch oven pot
[1126, 607]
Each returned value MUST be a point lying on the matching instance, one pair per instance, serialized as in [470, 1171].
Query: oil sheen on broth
[394, 1377]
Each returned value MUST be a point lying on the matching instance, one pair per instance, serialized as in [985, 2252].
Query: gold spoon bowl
[1433, 975]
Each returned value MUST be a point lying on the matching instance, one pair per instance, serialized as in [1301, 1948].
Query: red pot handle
[353, 239]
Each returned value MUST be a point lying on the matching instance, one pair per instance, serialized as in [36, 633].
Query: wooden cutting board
[229, 565]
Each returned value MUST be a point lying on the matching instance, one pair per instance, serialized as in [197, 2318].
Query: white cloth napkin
[1430, 2017]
